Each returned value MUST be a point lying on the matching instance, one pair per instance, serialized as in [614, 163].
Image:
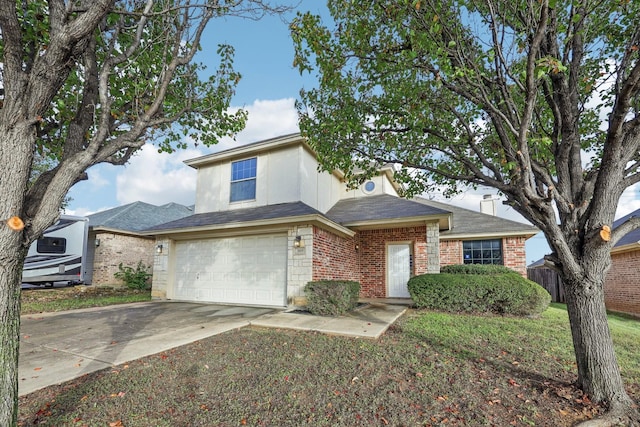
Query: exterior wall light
[298, 242]
[97, 242]
[159, 249]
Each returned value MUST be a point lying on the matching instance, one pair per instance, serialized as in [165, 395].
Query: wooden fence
[549, 280]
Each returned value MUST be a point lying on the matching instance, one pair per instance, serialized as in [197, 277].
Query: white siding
[283, 176]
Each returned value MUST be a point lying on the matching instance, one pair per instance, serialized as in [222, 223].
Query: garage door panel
[241, 270]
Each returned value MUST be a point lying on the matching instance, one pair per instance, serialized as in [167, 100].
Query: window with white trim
[243, 180]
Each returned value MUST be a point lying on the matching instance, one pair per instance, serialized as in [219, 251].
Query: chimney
[488, 205]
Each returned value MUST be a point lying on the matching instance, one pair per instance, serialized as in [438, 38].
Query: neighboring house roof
[137, 216]
[473, 224]
[631, 239]
[384, 208]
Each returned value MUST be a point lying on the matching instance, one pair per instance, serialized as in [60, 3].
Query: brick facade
[513, 253]
[372, 255]
[450, 252]
[622, 285]
[334, 257]
[115, 249]
[363, 258]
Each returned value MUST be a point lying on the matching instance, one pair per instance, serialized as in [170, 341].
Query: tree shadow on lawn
[557, 381]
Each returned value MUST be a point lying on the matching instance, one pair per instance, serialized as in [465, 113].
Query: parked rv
[59, 255]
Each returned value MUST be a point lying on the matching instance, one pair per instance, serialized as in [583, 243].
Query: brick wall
[118, 248]
[622, 285]
[372, 256]
[450, 252]
[334, 257]
[513, 253]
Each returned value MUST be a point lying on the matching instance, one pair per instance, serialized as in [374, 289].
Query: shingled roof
[138, 216]
[632, 236]
[379, 208]
[468, 223]
[239, 216]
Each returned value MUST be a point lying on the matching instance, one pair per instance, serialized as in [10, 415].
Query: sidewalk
[371, 321]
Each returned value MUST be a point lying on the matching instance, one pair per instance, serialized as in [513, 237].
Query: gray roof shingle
[138, 216]
[239, 216]
[379, 208]
[467, 222]
[630, 237]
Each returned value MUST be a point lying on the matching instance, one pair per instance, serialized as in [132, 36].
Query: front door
[398, 270]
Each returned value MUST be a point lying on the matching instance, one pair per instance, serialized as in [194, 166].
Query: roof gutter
[493, 235]
[626, 248]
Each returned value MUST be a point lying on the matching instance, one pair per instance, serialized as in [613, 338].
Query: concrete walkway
[370, 321]
[57, 347]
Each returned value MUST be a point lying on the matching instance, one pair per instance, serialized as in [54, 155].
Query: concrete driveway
[57, 347]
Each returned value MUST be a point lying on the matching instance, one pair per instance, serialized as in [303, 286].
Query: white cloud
[267, 119]
[159, 178]
[629, 201]
[97, 180]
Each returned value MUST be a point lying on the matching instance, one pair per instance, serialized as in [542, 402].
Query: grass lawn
[429, 369]
[46, 300]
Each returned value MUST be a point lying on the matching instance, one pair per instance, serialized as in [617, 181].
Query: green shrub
[332, 297]
[476, 269]
[137, 278]
[507, 293]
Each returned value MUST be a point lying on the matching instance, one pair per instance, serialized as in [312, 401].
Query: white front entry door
[398, 270]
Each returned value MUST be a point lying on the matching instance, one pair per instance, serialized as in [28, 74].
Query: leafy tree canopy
[528, 97]
[538, 99]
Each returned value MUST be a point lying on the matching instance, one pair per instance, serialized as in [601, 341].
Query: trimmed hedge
[476, 269]
[332, 297]
[507, 293]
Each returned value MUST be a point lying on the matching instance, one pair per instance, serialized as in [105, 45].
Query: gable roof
[473, 224]
[137, 216]
[632, 237]
[248, 149]
[384, 209]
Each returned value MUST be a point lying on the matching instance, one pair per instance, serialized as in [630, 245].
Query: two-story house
[267, 221]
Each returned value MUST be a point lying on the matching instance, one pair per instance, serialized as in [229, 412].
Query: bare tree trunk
[598, 370]
[11, 260]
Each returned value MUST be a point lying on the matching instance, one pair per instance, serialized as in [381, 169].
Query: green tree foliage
[84, 82]
[538, 99]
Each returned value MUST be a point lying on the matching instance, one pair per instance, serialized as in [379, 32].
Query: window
[243, 180]
[368, 187]
[482, 251]
[52, 245]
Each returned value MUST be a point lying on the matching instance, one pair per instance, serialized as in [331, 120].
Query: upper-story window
[482, 251]
[243, 180]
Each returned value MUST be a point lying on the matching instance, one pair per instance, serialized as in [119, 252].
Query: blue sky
[268, 89]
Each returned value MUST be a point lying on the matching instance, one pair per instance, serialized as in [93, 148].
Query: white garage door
[238, 270]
